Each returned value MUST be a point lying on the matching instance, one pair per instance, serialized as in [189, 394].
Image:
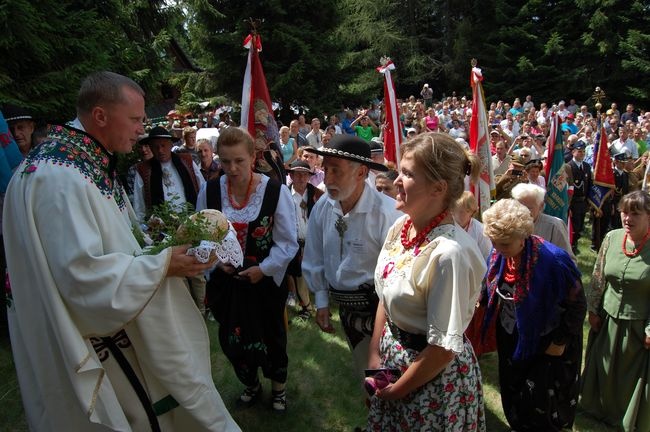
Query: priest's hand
[182, 265]
[323, 320]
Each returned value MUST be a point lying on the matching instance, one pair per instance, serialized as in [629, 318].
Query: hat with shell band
[351, 148]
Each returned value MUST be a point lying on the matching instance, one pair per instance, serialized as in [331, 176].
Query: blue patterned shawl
[544, 278]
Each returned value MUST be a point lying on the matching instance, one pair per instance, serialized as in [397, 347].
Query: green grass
[323, 392]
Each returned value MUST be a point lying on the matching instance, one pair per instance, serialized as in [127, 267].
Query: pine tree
[49, 46]
[299, 53]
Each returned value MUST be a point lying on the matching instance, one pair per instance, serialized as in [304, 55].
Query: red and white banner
[392, 128]
[479, 143]
[256, 108]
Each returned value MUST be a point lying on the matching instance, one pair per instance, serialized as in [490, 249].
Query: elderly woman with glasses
[533, 291]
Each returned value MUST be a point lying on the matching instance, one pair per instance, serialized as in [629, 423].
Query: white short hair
[528, 190]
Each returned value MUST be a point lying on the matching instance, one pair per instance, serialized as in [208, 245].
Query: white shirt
[628, 146]
[172, 188]
[301, 212]
[475, 231]
[563, 113]
[500, 167]
[542, 117]
[285, 244]
[315, 139]
[367, 225]
[458, 132]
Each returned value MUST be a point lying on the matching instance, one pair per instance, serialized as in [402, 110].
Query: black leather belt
[413, 341]
[362, 299]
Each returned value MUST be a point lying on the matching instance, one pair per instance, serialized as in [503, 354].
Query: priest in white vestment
[104, 338]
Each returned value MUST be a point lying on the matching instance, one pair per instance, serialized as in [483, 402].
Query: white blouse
[285, 243]
[433, 290]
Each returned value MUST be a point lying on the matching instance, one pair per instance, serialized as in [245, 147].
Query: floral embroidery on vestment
[74, 149]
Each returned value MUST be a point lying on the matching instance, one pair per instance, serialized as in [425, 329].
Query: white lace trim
[450, 342]
[252, 209]
[228, 250]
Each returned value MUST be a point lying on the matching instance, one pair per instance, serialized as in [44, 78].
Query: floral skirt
[452, 401]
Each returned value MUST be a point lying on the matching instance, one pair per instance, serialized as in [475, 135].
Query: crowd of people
[422, 287]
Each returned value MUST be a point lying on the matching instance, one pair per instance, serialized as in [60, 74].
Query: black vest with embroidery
[151, 173]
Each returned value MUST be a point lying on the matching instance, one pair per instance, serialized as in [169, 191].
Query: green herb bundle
[168, 225]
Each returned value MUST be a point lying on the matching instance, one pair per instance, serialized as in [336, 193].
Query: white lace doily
[228, 250]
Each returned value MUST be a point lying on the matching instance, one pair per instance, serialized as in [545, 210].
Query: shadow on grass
[12, 415]
[323, 392]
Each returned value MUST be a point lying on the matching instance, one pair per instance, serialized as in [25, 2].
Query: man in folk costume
[171, 177]
[305, 195]
[345, 234]
[21, 126]
[167, 176]
[125, 347]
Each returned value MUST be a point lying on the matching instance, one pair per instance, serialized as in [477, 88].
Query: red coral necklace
[246, 197]
[637, 250]
[418, 239]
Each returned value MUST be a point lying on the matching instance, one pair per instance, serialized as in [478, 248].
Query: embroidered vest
[151, 173]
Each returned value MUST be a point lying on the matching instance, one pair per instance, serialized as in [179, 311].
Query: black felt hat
[300, 166]
[15, 113]
[351, 148]
[157, 132]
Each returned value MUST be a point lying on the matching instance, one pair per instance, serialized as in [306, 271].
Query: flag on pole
[644, 186]
[257, 113]
[392, 128]
[603, 172]
[557, 187]
[479, 142]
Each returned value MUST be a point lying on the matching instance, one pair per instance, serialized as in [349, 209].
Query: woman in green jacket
[615, 384]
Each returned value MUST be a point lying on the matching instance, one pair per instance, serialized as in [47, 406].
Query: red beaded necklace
[637, 250]
[510, 273]
[246, 197]
[418, 239]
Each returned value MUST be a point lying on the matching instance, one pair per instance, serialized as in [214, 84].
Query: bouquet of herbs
[172, 225]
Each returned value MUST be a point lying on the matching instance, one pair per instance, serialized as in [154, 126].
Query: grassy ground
[323, 392]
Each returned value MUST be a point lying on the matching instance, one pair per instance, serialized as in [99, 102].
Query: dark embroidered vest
[151, 173]
[313, 194]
